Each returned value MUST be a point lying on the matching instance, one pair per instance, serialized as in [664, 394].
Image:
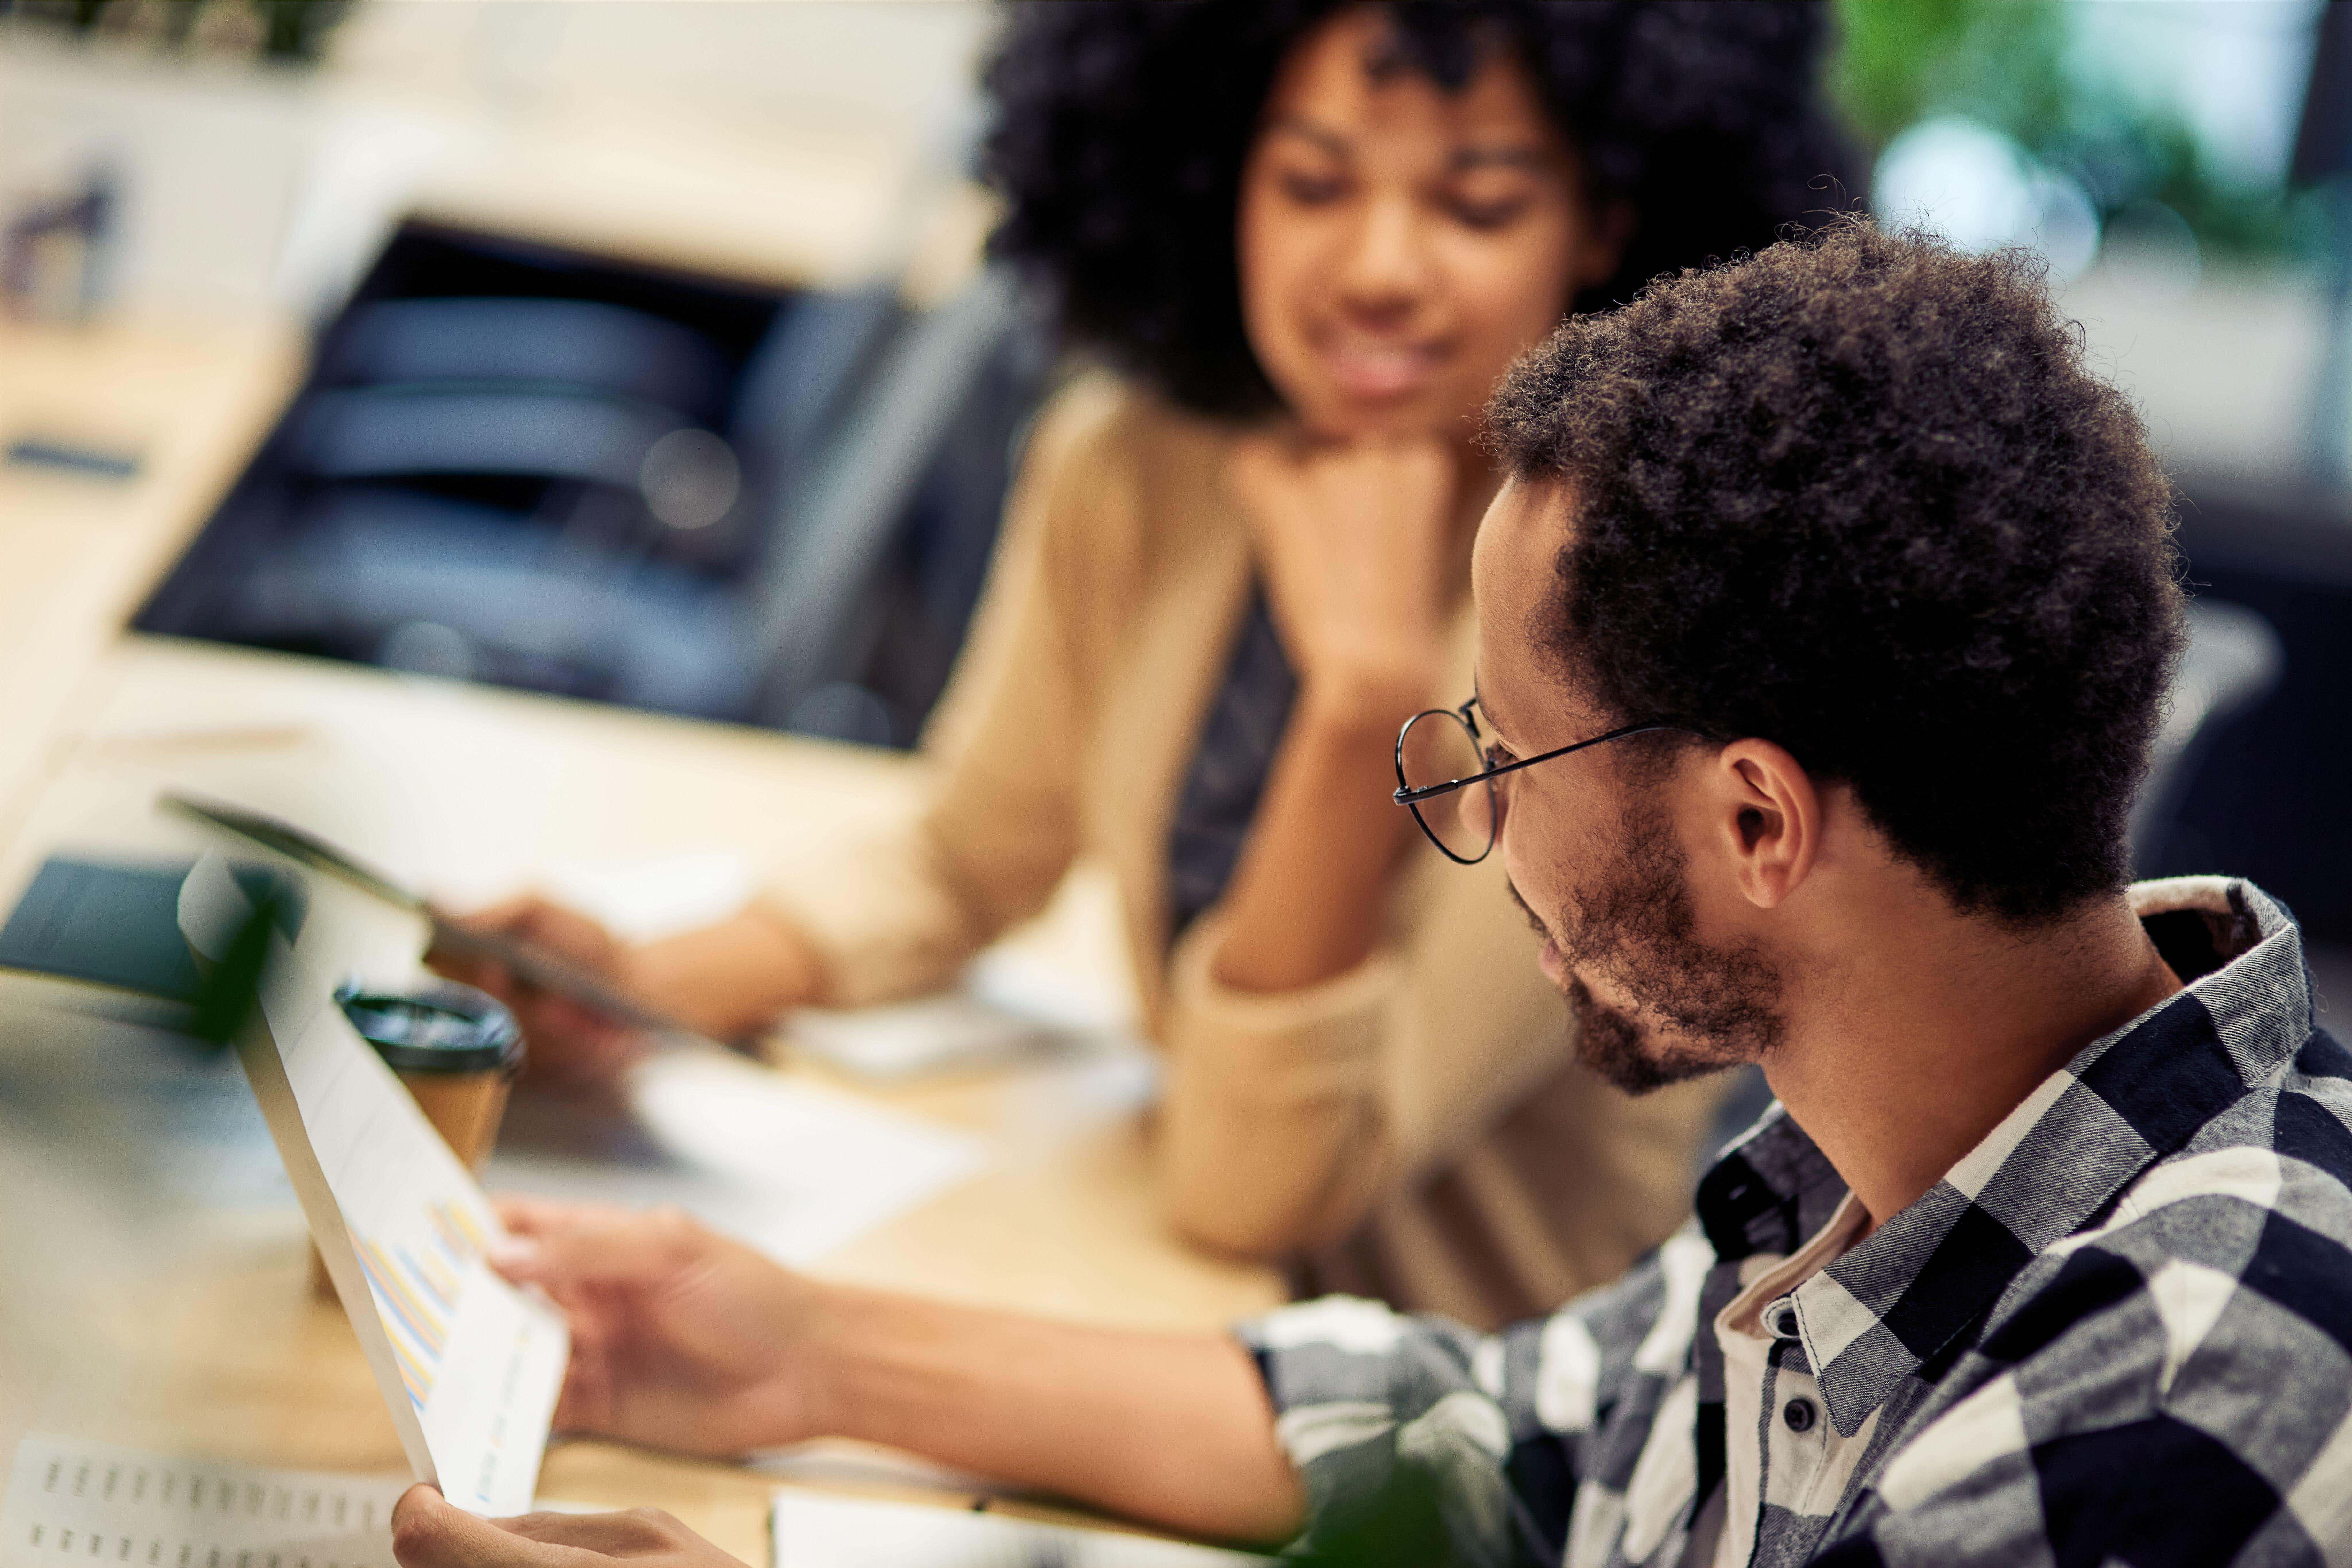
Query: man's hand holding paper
[428, 1530]
[680, 1338]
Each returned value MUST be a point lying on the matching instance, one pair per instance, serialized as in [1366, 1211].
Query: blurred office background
[654, 359]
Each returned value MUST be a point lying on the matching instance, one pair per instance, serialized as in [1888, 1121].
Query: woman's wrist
[732, 978]
[1364, 702]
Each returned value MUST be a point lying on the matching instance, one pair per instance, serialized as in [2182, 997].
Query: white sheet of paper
[644, 897]
[900, 1040]
[1008, 1005]
[94, 1505]
[1013, 1002]
[815, 1530]
[468, 1366]
[794, 1169]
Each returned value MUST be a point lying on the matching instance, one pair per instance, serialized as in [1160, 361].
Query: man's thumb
[429, 1532]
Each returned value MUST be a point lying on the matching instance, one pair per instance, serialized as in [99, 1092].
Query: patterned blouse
[1236, 753]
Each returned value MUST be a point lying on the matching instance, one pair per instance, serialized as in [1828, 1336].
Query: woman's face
[1398, 244]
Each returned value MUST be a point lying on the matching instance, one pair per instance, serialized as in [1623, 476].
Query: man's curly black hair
[1858, 495]
[1122, 126]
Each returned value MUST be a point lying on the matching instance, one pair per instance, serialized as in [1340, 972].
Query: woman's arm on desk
[685, 1340]
[899, 912]
[730, 980]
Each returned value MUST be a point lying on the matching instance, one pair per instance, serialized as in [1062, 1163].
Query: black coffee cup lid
[442, 1027]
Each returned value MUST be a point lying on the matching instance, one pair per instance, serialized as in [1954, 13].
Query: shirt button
[1799, 1415]
[1785, 1323]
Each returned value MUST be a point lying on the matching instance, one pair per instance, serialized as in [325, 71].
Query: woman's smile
[1378, 368]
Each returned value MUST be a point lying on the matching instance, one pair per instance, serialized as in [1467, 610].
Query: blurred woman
[1300, 240]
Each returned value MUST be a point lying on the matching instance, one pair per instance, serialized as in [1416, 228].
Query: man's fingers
[530, 1217]
[428, 1531]
[633, 1533]
[601, 1248]
[546, 1216]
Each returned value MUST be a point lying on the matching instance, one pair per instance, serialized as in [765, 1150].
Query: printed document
[468, 1365]
[72, 1503]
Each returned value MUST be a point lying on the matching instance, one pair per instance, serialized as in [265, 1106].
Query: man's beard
[1634, 926]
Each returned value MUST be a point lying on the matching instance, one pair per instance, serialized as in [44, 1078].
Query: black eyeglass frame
[1410, 797]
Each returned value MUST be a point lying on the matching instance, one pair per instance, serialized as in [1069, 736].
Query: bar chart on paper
[476, 1362]
[417, 1290]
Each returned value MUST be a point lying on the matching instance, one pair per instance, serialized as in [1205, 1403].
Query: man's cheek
[1539, 878]
[1519, 900]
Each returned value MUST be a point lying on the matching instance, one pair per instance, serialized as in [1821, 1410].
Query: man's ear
[1770, 816]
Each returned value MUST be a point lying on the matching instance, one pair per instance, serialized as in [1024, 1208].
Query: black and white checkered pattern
[2120, 1330]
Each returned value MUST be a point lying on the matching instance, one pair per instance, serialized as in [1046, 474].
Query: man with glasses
[1824, 627]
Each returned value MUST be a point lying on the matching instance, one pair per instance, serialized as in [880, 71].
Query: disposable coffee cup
[455, 1049]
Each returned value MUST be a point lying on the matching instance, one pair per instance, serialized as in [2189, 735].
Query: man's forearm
[1168, 1427]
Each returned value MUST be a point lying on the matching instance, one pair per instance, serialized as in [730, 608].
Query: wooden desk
[150, 1277]
[188, 403]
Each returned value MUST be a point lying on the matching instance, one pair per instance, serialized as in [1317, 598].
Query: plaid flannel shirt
[2120, 1330]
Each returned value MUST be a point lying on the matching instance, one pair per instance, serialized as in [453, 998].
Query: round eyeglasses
[1445, 779]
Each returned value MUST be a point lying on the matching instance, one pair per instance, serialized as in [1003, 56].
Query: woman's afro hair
[1121, 127]
[1860, 496]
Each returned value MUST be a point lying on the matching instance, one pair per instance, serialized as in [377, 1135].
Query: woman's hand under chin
[1353, 538]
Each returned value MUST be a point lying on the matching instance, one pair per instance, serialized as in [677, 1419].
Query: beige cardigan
[1413, 1128]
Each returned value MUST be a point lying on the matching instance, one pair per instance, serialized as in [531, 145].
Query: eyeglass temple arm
[1410, 796]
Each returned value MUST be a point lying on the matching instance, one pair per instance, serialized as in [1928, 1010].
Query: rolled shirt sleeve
[1288, 1116]
[1270, 1117]
[1417, 1439]
[896, 913]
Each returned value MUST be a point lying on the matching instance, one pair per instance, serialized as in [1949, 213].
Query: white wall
[786, 139]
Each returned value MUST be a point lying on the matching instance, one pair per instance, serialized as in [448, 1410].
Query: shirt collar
[2125, 1101]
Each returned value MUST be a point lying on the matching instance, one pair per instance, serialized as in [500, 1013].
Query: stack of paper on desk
[795, 1168]
[468, 1365]
[814, 1531]
[72, 1504]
